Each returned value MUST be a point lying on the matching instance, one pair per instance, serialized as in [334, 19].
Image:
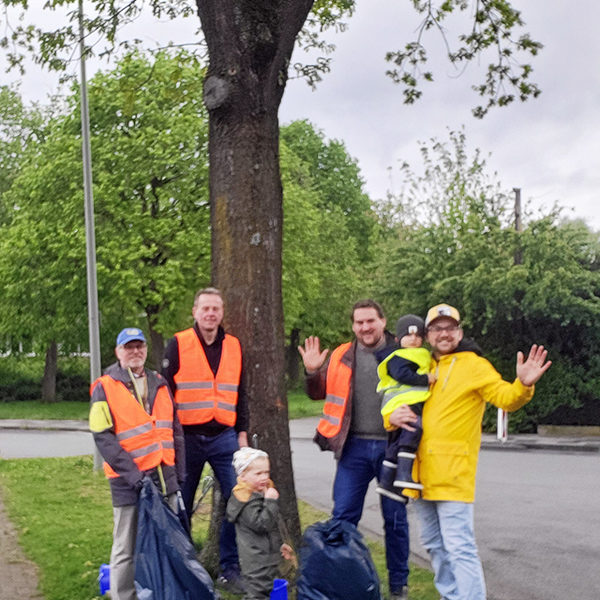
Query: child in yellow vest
[404, 378]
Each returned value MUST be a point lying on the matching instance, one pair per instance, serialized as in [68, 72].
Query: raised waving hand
[312, 356]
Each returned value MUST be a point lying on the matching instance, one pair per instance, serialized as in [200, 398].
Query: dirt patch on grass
[18, 574]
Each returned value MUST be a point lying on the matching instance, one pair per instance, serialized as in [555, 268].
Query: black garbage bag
[335, 564]
[166, 567]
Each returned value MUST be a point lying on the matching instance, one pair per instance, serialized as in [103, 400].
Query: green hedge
[21, 378]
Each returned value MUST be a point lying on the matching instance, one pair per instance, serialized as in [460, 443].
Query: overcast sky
[549, 147]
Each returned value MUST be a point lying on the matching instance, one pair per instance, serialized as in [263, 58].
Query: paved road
[33, 444]
[537, 513]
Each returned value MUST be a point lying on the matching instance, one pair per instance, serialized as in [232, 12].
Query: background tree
[149, 143]
[41, 257]
[18, 126]
[327, 233]
[460, 248]
[335, 177]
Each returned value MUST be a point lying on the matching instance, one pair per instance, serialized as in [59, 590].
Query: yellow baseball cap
[441, 310]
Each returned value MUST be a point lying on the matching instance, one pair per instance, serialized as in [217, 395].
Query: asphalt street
[537, 511]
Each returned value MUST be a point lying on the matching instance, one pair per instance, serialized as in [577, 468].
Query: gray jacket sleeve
[179, 443]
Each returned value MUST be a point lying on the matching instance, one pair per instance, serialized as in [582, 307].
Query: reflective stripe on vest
[201, 396]
[411, 394]
[147, 438]
[339, 376]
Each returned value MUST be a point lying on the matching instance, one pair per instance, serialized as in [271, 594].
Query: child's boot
[386, 482]
[403, 476]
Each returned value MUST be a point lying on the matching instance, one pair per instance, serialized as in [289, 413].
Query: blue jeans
[360, 462]
[448, 536]
[217, 451]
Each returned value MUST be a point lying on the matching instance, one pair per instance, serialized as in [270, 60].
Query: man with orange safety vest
[203, 367]
[351, 426]
[136, 431]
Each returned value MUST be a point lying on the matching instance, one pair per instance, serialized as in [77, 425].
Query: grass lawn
[299, 405]
[62, 510]
[33, 409]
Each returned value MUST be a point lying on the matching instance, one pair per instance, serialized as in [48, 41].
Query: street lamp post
[90, 236]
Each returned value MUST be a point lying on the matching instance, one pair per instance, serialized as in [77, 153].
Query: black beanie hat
[405, 324]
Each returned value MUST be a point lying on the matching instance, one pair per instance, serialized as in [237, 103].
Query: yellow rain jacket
[447, 457]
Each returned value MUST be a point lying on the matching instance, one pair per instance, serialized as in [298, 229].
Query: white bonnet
[244, 457]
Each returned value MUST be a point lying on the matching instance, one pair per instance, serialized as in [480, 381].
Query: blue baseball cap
[129, 334]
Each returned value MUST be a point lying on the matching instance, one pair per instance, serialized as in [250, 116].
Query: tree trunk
[50, 369]
[250, 43]
[209, 555]
[293, 361]
[158, 347]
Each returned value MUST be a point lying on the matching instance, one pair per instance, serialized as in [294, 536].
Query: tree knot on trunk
[217, 91]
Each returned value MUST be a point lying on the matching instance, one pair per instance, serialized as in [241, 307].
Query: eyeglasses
[447, 329]
[133, 346]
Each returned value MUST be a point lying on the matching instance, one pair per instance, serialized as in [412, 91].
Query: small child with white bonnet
[254, 509]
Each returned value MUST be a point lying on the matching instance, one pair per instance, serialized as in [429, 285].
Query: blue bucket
[280, 590]
[104, 578]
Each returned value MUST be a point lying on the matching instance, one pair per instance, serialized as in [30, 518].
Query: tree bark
[50, 369]
[250, 43]
[209, 555]
[293, 359]
[158, 346]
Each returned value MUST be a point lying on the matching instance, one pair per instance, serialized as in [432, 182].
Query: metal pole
[518, 223]
[502, 422]
[90, 236]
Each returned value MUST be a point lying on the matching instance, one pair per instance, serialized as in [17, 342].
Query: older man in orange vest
[136, 430]
[203, 366]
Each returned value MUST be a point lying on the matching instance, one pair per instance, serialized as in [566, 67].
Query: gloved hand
[140, 483]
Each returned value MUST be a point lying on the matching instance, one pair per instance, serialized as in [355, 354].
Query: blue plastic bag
[335, 564]
[166, 567]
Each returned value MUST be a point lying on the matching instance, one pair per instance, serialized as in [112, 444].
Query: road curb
[44, 424]
[558, 446]
[304, 429]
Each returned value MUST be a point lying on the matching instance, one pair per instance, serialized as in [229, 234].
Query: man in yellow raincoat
[447, 457]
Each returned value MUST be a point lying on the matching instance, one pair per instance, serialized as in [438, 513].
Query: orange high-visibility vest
[200, 395]
[147, 438]
[339, 376]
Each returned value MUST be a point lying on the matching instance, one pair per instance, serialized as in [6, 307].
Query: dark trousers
[217, 451]
[402, 440]
[360, 463]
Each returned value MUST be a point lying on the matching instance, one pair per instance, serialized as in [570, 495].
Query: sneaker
[231, 581]
[401, 594]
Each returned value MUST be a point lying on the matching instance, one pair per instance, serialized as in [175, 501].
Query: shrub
[21, 378]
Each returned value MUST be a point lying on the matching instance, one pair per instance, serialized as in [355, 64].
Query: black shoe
[231, 581]
[400, 594]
